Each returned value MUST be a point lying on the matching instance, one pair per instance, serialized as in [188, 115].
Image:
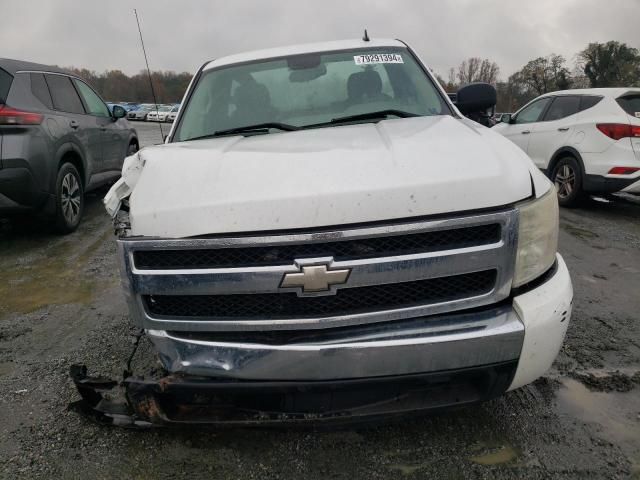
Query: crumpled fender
[131, 170]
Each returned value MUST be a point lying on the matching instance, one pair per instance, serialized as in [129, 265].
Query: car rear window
[65, 97]
[630, 104]
[588, 101]
[40, 90]
[5, 84]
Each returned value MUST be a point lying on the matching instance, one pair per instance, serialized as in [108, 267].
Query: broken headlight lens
[537, 237]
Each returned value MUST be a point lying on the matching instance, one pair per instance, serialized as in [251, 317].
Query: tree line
[116, 86]
[610, 64]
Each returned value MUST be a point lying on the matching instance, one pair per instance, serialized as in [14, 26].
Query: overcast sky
[181, 35]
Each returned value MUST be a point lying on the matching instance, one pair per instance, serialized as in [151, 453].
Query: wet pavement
[61, 304]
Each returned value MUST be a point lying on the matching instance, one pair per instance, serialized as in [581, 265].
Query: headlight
[537, 237]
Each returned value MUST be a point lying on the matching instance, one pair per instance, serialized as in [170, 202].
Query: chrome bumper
[419, 345]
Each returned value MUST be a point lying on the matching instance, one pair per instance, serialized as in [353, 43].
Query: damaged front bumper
[359, 374]
[180, 399]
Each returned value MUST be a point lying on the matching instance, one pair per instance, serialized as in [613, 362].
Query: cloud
[180, 36]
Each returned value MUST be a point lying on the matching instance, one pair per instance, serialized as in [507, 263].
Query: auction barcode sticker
[378, 58]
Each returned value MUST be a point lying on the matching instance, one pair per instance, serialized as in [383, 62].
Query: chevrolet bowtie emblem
[315, 278]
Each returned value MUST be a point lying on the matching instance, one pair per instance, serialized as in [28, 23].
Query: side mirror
[476, 97]
[506, 118]
[119, 112]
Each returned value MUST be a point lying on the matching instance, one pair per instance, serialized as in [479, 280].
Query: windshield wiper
[257, 128]
[378, 115]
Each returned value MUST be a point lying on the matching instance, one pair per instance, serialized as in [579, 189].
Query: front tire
[69, 199]
[567, 177]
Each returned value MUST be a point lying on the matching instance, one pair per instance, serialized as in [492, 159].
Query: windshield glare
[309, 89]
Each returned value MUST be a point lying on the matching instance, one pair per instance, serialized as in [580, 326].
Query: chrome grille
[397, 271]
[269, 306]
[384, 246]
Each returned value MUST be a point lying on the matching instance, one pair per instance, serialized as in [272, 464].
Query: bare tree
[475, 69]
[452, 76]
[468, 70]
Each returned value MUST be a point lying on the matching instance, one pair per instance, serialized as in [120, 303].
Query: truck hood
[322, 177]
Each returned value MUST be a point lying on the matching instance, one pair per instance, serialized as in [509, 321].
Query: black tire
[567, 176]
[69, 199]
[132, 148]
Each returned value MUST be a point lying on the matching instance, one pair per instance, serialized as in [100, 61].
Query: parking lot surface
[62, 304]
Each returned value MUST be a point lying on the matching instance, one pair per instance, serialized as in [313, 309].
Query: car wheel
[69, 199]
[132, 148]
[567, 176]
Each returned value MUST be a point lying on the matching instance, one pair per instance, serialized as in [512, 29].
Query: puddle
[504, 454]
[49, 276]
[617, 414]
[407, 469]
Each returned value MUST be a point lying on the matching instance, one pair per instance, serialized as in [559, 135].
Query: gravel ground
[62, 304]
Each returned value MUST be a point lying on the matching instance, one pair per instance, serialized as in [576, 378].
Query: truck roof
[301, 49]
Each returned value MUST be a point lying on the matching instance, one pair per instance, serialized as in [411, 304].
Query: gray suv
[58, 140]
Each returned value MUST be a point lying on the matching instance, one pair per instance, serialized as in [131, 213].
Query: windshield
[305, 90]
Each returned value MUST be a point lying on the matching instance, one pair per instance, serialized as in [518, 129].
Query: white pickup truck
[324, 236]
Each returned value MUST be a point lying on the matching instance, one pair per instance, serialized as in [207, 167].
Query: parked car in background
[173, 113]
[129, 105]
[58, 140]
[159, 114]
[323, 226]
[587, 140]
[141, 112]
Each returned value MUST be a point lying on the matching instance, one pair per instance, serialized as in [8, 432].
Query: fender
[133, 135]
[63, 149]
[558, 155]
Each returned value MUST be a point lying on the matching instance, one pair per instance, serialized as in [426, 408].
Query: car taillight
[11, 116]
[618, 130]
[623, 170]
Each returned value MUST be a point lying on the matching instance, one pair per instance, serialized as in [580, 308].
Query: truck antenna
[153, 92]
[366, 36]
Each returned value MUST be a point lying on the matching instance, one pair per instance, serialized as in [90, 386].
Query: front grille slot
[272, 306]
[285, 254]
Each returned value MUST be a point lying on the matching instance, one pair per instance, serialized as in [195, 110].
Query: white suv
[588, 141]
